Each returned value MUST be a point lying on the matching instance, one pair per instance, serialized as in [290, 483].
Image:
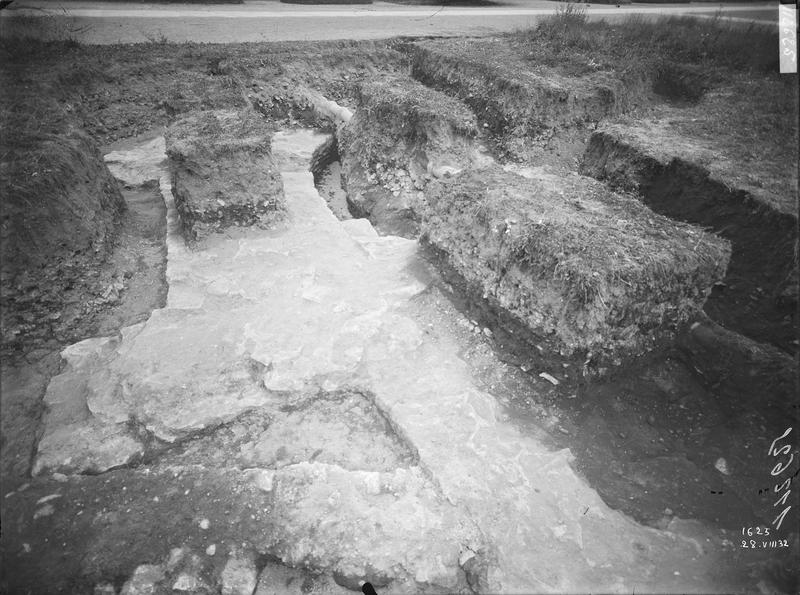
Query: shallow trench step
[319, 304]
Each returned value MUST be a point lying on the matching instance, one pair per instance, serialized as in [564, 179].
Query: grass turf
[570, 259]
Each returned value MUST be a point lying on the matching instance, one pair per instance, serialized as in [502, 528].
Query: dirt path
[272, 21]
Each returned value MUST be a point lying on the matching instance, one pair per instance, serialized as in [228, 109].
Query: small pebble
[549, 378]
[211, 550]
[204, 524]
[59, 477]
[722, 466]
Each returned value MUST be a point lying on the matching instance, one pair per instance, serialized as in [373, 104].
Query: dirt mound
[223, 173]
[61, 208]
[596, 271]
[402, 135]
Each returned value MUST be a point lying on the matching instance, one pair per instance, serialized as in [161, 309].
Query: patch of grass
[639, 47]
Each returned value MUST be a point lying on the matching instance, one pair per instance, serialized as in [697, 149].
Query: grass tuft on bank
[640, 45]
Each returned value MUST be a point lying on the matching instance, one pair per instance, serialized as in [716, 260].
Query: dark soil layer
[742, 372]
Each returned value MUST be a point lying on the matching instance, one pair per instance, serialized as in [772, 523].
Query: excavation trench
[388, 355]
[758, 296]
[648, 419]
[326, 167]
[260, 323]
[663, 420]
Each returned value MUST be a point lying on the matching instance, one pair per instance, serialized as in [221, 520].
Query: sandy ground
[102, 23]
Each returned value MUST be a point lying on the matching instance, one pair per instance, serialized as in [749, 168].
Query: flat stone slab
[77, 439]
[595, 270]
[222, 172]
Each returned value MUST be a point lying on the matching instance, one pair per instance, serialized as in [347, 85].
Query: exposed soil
[649, 438]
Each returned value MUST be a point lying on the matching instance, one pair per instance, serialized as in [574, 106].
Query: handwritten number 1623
[777, 470]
